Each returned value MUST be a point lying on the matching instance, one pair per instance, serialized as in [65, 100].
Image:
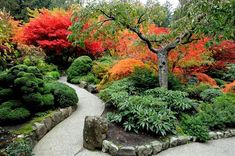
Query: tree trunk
[163, 69]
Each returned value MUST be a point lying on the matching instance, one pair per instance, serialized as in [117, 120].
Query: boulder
[126, 151]
[40, 130]
[83, 84]
[94, 132]
[65, 113]
[56, 118]
[157, 146]
[144, 150]
[92, 89]
[48, 123]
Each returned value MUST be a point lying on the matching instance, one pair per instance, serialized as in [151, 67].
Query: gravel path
[66, 138]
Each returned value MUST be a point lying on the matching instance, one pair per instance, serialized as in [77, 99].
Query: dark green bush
[144, 78]
[5, 94]
[80, 67]
[11, 112]
[208, 95]
[174, 83]
[219, 82]
[19, 148]
[64, 95]
[90, 78]
[176, 100]
[229, 75]
[39, 102]
[193, 126]
[194, 91]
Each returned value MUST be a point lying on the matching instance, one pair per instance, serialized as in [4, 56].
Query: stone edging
[89, 87]
[41, 128]
[155, 147]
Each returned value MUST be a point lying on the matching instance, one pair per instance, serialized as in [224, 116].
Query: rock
[70, 110]
[105, 146]
[94, 132]
[174, 141]
[56, 118]
[165, 144]
[157, 146]
[92, 89]
[113, 149]
[213, 135]
[220, 135]
[126, 151]
[227, 134]
[65, 113]
[40, 130]
[144, 150]
[232, 131]
[83, 84]
[182, 140]
[48, 123]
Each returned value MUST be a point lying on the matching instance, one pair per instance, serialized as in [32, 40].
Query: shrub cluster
[23, 92]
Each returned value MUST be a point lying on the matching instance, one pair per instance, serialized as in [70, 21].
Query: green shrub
[75, 80]
[101, 66]
[64, 95]
[193, 126]
[11, 112]
[174, 83]
[39, 102]
[19, 148]
[90, 78]
[229, 75]
[176, 100]
[219, 82]
[80, 67]
[144, 78]
[208, 95]
[225, 98]
[144, 113]
[194, 91]
[5, 94]
[53, 75]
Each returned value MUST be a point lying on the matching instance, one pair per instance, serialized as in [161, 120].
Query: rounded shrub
[80, 67]
[64, 95]
[208, 95]
[5, 94]
[12, 112]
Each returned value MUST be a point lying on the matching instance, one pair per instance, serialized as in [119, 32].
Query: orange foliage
[205, 79]
[229, 87]
[124, 68]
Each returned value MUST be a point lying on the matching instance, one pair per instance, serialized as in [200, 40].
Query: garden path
[66, 138]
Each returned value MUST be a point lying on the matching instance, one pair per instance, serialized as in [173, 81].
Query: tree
[208, 17]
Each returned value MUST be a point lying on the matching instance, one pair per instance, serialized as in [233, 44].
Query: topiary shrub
[208, 95]
[193, 126]
[12, 112]
[64, 95]
[80, 67]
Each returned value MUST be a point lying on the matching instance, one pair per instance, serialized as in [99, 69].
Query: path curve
[66, 138]
[221, 147]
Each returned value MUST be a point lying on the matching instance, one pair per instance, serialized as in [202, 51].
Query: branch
[140, 20]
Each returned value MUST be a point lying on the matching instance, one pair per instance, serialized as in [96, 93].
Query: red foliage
[229, 87]
[124, 68]
[205, 79]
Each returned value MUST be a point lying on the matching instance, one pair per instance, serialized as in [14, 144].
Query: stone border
[40, 129]
[89, 87]
[155, 147]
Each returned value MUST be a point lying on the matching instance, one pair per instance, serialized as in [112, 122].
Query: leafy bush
[174, 83]
[80, 67]
[5, 94]
[194, 91]
[225, 98]
[90, 78]
[146, 113]
[144, 78]
[19, 148]
[193, 126]
[229, 75]
[53, 75]
[12, 112]
[208, 95]
[64, 96]
[220, 82]
[176, 100]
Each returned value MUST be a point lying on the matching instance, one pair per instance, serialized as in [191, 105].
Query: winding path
[66, 138]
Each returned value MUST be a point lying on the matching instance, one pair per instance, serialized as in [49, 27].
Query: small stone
[113, 149]
[165, 144]
[157, 146]
[144, 150]
[20, 136]
[126, 151]
[227, 134]
[213, 135]
[105, 146]
[232, 131]
[92, 89]
[220, 135]
[65, 113]
[56, 117]
[70, 110]
[83, 84]
[174, 141]
[40, 129]
[48, 123]
[94, 132]
[182, 140]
